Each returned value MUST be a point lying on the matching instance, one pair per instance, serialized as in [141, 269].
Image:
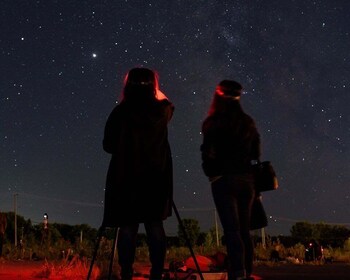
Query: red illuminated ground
[30, 270]
[34, 270]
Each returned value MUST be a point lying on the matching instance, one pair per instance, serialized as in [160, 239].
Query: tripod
[102, 229]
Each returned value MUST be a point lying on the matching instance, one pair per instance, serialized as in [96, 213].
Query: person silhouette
[230, 144]
[139, 185]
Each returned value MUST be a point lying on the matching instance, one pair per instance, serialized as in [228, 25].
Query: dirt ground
[11, 270]
[329, 271]
[34, 270]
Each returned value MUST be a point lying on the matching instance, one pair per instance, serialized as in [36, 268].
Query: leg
[126, 246]
[248, 251]
[227, 207]
[157, 248]
[245, 202]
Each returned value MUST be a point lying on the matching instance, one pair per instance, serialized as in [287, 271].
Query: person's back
[139, 184]
[233, 136]
[230, 143]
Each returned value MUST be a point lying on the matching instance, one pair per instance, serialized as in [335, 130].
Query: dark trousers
[233, 196]
[127, 248]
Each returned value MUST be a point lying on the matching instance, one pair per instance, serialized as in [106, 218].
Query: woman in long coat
[139, 187]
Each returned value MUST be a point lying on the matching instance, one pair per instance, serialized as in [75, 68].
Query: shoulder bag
[258, 217]
[265, 177]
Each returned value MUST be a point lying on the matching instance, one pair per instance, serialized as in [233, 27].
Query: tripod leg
[112, 254]
[99, 237]
[187, 241]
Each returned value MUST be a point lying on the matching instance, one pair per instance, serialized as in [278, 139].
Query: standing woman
[231, 143]
[139, 187]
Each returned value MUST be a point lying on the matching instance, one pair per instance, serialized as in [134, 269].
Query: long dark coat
[139, 184]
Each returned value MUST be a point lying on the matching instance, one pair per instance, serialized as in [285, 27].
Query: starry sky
[62, 66]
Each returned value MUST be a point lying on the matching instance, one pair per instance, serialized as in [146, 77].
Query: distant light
[94, 55]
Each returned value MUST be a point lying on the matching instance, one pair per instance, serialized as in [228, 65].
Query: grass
[73, 268]
[76, 265]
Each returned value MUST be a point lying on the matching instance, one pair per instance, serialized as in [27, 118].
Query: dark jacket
[230, 142]
[139, 184]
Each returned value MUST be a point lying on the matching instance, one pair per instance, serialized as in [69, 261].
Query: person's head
[226, 97]
[229, 89]
[140, 84]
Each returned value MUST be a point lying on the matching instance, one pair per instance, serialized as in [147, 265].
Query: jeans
[233, 197]
[126, 246]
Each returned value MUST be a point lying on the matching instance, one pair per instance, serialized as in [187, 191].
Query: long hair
[140, 85]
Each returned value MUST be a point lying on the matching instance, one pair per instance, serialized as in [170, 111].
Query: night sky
[62, 66]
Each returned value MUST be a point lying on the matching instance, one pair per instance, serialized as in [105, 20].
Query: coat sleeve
[112, 132]
[210, 164]
[169, 109]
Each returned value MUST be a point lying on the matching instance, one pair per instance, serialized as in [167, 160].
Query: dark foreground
[285, 271]
[333, 271]
[30, 270]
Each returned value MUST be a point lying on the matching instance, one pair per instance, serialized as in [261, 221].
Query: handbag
[258, 218]
[265, 177]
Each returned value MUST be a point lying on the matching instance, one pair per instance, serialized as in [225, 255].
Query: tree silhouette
[192, 230]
